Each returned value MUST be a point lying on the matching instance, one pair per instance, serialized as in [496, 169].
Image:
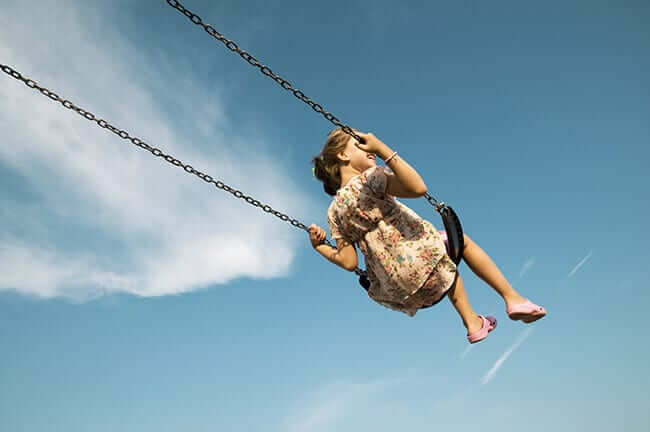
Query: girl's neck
[348, 173]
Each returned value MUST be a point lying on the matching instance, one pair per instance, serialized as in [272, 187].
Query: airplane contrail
[497, 365]
[584, 260]
[527, 266]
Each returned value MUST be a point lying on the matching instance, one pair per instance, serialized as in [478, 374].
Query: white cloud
[580, 264]
[499, 363]
[46, 274]
[155, 229]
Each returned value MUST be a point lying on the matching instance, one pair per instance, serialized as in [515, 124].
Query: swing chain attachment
[155, 151]
[439, 206]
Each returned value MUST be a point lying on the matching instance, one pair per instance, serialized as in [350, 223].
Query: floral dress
[405, 256]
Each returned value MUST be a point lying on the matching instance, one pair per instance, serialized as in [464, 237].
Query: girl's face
[356, 158]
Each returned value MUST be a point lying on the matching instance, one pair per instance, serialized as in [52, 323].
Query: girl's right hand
[317, 235]
[371, 143]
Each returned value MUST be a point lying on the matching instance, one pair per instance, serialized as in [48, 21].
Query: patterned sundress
[405, 256]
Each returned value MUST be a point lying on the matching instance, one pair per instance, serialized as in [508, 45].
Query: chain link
[156, 151]
[232, 46]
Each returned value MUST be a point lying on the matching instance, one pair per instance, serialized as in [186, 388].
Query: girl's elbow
[350, 266]
[420, 191]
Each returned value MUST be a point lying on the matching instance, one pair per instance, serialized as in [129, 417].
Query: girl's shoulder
[369, 175]
[377, 170]
[373, 178]
[376, 179]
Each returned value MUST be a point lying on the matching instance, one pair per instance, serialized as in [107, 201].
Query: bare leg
[458, 298]
[482, 266]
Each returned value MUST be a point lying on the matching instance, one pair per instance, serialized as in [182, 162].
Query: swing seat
[455, 237]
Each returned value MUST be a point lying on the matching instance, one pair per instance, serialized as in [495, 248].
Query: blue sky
[135, 297]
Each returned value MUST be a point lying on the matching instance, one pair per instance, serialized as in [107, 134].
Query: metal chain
[156, 151]
[264, 69]
[232, 46]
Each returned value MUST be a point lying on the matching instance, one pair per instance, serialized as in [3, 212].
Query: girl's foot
[514, 300]
[487, 325]
[525, 310]
[475, 324]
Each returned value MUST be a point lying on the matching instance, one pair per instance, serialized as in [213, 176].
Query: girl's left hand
[317, 235]
[372, 144]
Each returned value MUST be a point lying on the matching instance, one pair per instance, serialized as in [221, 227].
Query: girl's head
[340, 153]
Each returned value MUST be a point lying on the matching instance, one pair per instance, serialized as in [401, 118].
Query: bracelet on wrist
[390, 157]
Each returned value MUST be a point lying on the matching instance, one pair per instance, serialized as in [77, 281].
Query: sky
[134, 296]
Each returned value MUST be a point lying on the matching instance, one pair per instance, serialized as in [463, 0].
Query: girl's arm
[344, 255]
[405, 182]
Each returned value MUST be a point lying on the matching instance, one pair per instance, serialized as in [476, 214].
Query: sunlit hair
[326, 165]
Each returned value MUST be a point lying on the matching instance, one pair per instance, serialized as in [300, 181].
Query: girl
[405, 256]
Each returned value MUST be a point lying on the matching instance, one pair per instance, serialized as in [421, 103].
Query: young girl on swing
[406, 259]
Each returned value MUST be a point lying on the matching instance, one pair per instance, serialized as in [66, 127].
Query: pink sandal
[489, 324]
[527, 312]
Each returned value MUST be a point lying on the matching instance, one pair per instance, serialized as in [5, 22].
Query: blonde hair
[326, 164]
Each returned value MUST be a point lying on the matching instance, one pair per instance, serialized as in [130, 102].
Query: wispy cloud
[528, 264]
[92, 213]
[580, 264]
[499, 363]
[330, 404]
[466, 351]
